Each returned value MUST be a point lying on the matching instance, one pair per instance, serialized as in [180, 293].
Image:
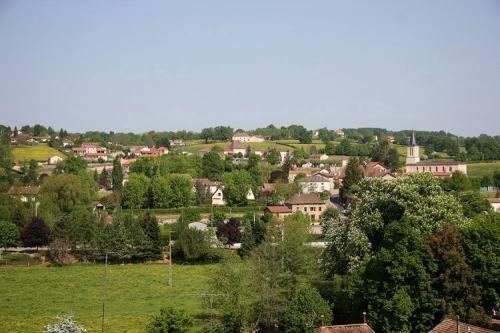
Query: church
[440, 168]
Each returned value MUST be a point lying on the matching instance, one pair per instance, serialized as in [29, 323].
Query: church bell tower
[412, 151]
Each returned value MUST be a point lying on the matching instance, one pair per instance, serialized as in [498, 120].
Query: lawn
[195, 147]
[482, 169]
[39, 152]
[31, 296]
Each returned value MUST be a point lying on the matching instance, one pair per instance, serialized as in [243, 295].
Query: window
[319, 208]
[305, 209]
[312, 209]
[450, 169]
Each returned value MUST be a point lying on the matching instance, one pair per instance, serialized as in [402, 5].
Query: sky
[171, 65]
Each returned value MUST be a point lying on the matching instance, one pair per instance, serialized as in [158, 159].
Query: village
[226, 192]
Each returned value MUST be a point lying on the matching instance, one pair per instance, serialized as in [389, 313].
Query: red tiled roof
[237, 145]
[352, 328]
[241, 134]
[450, 326]
[278, 209]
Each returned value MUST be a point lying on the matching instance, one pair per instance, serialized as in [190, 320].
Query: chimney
[364, 317]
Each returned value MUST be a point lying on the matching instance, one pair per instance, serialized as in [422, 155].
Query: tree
[306, 310]
[230, 284]
[117, 175]
[459, 294]
[326, 135]
[473, 203]
[229, 231]
[457, 182]
[329, 148]
[9, 234]
[398, 286]
[171, 191]
[273, 157]
[170, 320]
[72, 164]
[393, 161]
[212, 165]
[151, 230]
[223, 133]
[66, 191]
[207, 134]
[236, 186]
[481, 238]
[36, 233]
[135, 191]
[192, 245]
[353, 176]
[65, 324]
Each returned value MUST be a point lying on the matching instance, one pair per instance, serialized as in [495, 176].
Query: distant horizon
[69, 130]
[131, 66]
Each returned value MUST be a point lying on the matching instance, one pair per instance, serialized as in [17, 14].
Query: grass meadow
[40, 152]
[30, 297]
[482, 169]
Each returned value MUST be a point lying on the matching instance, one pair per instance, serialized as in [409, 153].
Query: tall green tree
[353, 176]
[213, 165]
[236, 186]
[135, 191]
[9, 234]
[117, 175]
[459, 293]
[171, 191]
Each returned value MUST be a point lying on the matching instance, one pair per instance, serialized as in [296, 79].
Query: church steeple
[413, 151]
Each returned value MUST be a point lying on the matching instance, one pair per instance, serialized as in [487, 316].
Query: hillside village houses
[439, 168]
[24, 193]
[144, 151]
[214, 191]
[309, 204]
[91, 151]
[245, 137]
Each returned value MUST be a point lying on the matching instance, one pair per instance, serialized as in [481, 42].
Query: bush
[9, 234]
[170, 320]
[36, 233]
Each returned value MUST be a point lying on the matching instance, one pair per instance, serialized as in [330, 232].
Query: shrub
[170, 320]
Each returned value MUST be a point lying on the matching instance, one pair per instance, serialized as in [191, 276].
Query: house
[389, 176]
[390, 138]
[213, 190]
[280, 212]
[315, 184]
[67, 142]
[144, 151]
[24, 193]
[455, 326]
[236, 147]
[53, 160]
[204, 150]
[495, 204]
[244, 137]
[309, 204]
[375, 169]
[126, 164]
[306, 171]
[439, 168]
[315, 133]
[178, 142]
[250, 195]
[91, 151]
[340, 133]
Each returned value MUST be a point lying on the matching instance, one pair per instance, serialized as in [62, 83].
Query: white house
[244, 137]
[218, 197]
[250, 195]
[315, 184]
[53, 160]
[495, 204]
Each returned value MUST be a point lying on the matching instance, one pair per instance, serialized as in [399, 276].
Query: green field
[482, 169]
[31, 296]
[196, 146]
[39, 152]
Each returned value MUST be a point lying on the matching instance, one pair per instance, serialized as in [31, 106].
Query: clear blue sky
[166, 65]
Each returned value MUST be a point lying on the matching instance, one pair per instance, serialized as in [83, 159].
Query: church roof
[436, 163]
[413, 141]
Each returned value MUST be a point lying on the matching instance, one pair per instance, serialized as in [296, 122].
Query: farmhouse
[144, 151]
[236, 147]
[53, 160]
[244, 137]
[375, 169]
[439, 168]
[308, 204]
[91, 151]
